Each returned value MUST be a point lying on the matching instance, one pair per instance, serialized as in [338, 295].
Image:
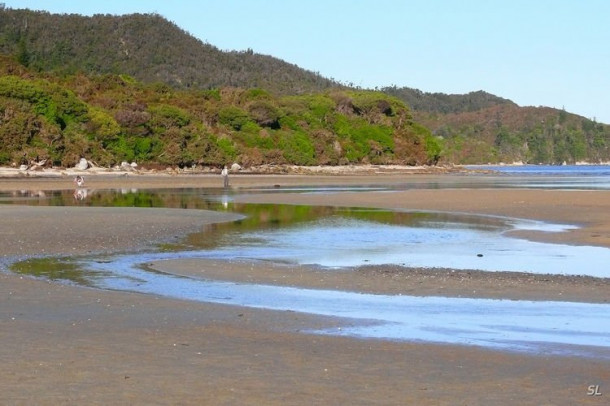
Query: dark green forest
[145, 46]
[479, 127]
[441, 103]
[139, 88]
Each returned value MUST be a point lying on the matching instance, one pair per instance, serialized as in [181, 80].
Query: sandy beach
[72, 345]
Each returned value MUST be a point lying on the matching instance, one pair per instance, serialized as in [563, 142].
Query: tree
[23, 56]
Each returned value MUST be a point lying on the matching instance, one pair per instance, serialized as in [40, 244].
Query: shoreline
[66, 344]
[148, 227]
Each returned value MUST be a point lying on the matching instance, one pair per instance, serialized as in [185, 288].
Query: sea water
[330, 238]
[541, 327]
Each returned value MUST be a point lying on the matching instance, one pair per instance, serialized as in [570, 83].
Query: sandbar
[63, 344]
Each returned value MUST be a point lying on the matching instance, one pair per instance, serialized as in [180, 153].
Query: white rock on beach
[82, 164]
[126, 166]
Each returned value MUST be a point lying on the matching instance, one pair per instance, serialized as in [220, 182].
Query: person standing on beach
[225, 176]
[79, 180]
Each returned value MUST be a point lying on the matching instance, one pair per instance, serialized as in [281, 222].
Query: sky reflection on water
[337, 241]
[566, 328]
[561, 328]
[332, 237]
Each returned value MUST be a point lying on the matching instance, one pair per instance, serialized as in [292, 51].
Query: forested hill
[145, 46]
[108, 119]
[446, 103]
[477, 127]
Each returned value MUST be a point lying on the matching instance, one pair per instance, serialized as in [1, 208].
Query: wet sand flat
[71, 345]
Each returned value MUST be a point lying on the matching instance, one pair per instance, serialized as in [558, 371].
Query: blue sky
[552, 53]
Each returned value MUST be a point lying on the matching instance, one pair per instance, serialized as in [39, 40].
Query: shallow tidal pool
[344, 237]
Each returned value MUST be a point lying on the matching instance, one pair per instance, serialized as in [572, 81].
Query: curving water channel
[580, 329]
[330, 237]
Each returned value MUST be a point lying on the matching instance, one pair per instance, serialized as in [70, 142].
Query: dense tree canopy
[145, 46]
[114, 118]
[137, 87]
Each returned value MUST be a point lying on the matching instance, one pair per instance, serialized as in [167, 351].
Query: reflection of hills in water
[424, 240]
[353, 236]
[337, 237]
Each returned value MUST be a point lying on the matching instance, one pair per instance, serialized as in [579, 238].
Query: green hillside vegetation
[132, 72]
[113, 118]
[446, 103]
[509, 133]
[145, 46]
[479, 127]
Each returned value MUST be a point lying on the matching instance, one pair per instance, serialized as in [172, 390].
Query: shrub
[167, 116]
[264, 113]
[297, 149]
[58, 105]
[233, 117]
[227, 149]
[101, 126]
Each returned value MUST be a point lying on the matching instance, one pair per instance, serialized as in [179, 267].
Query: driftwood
[33, 166]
